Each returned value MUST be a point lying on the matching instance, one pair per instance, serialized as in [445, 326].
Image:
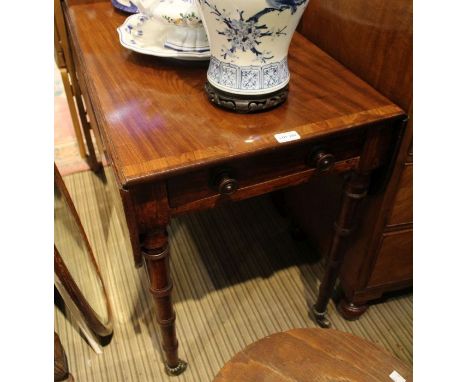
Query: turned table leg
[155, 251]
[355, 191]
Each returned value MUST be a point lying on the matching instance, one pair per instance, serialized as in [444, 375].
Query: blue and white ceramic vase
[249, 41]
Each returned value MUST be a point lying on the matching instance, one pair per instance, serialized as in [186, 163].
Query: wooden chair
[61, 373]
[77, 276]
[314, 355]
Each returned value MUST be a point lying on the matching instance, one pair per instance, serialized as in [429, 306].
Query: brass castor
[321, 318]
[179, 369]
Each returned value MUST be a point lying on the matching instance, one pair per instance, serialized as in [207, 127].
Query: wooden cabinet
[394, 262]
[402, 208]
[374, 40]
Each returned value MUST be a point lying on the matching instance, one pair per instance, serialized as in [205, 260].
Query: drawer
[261, 173]
[395, 259]
[402, 211]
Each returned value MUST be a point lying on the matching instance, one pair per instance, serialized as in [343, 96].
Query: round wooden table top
[311, 355]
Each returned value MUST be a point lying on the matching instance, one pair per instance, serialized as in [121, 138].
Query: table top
[313, 355]
[156, 120]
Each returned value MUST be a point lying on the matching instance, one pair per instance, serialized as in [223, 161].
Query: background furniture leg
[351, 311]
[156, 254]
[355, 191]
[91, 158]
[69, 62]
[74, 116]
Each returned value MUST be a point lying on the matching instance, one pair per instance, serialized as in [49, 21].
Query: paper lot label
[287, 137]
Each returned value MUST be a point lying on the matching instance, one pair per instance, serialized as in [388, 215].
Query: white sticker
[397, 377]
[287, 137]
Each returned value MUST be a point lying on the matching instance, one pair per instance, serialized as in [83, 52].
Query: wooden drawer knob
[225, 183]
[322, 160]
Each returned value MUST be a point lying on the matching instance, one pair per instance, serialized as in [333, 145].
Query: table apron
[262, 173]
[257, 189]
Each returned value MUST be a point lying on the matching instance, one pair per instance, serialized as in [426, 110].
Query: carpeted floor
[238, 277]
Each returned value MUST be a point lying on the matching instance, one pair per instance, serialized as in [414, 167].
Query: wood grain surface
[157, 121]
[395, 261]
[374, 39]
[312, 355]
[402, 211]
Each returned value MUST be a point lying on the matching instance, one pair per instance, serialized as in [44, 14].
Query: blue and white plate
[145, 35]
[125, 5]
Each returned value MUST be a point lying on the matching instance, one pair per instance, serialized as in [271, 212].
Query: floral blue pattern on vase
[251, 78]
[249, 42]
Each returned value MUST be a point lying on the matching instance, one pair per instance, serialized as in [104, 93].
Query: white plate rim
[158, 51]
[132, 8]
